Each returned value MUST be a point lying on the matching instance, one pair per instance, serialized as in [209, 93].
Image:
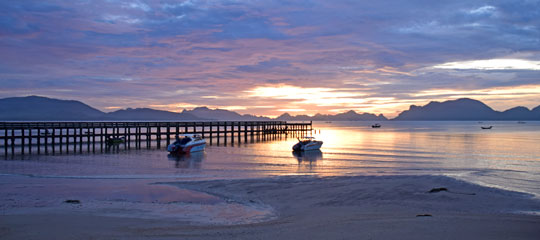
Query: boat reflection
[188, 160]
[308, 156]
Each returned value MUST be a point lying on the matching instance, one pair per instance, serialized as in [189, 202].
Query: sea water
[506, 156]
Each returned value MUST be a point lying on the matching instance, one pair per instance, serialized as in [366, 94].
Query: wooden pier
[78, 137]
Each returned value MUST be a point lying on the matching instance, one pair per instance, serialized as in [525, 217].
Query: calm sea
[506, 156]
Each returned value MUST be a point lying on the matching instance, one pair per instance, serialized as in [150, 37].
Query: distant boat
[45, 133]
[520, 122]
[376, 125]
[487, 127]
[115, 140]
[307, 144]
[189, 143]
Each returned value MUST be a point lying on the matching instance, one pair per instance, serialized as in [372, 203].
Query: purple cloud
[169, 51]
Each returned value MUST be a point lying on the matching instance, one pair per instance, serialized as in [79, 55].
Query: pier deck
[63, 137]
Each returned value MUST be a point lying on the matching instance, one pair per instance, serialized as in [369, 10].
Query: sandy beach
[271, 120]
[287, 207]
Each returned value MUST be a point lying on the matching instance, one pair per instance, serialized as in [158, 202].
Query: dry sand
[296, 207]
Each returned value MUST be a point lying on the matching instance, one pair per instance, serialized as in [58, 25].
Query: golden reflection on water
[409, 148]
[508, 154]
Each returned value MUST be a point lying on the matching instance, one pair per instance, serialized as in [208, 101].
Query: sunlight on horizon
[311, 101]
[300, 93]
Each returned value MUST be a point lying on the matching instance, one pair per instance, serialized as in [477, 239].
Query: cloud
[366, 56]
[138, 5]
[483, 10]
[188, 3]
[265, 65]
[492, 64]
[117, 18]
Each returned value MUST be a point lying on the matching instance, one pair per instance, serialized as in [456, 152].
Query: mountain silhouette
[42, 108]
[148, 114]
[36, 108]
[465, 109]
[536, 112]
[221, 114]
[346, 116]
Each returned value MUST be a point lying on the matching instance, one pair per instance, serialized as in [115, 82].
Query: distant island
[465, 109]
[346, 116]
[36, 108]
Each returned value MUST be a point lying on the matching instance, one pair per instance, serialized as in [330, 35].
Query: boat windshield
[185, 140]
[196, 137]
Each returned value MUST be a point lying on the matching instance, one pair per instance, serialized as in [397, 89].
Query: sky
[271, 57]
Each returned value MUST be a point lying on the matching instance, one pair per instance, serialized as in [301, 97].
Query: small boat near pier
[307, 144]
[111, 141]
[187, 143]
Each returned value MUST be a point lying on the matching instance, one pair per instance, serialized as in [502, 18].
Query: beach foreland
[292, 207]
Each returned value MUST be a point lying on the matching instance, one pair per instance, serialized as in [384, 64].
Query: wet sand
[295, 207]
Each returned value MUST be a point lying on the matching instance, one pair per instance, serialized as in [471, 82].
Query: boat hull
[307, 147]
[194, 148]
[188, 148]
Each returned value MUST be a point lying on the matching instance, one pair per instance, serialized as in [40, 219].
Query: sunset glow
[263, 57]
[265, 119]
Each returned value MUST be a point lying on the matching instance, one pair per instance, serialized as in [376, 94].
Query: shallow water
[507, 156]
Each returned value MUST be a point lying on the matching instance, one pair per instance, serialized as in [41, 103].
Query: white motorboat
[187, 143]
[307, 143]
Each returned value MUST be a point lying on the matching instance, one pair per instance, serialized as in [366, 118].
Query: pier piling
[72, 137]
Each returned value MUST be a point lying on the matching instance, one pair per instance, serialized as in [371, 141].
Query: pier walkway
[63, 137]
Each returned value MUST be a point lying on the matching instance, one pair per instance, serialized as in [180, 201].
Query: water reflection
[308, 156]
[507, 155]
[188, 160]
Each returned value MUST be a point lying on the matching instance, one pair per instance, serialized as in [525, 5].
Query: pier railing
[63, 137]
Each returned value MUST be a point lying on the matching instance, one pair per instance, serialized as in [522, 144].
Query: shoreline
[288, 207]
[195, 177]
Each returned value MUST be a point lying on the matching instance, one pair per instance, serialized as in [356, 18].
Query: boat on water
[487, 127]
[376, 125]
[110, 141]
[187, 143]
[307, 144]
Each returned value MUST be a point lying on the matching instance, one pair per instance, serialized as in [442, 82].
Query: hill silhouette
[36, 108]
[42, 108]
[148, 114]
[465, 109]
[221, 114]
[346, 116]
